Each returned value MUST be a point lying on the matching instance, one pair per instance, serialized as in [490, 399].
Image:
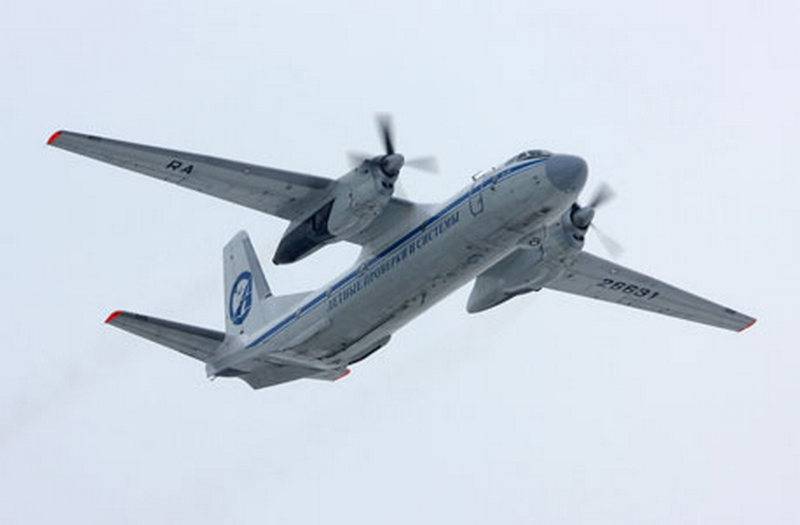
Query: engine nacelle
[358, 199]
[541, 258]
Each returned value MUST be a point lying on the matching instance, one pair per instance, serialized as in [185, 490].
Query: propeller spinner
[582, 217]
[392, 162]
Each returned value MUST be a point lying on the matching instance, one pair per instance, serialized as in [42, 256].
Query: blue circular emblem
[241, 299]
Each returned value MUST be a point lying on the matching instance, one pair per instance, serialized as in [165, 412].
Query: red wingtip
[53, 138]
[751, 323]
[345, 374]
[114, 315]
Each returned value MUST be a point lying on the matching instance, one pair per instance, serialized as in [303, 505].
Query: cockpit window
[530, 154]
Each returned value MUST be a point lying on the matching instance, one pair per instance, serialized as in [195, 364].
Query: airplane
[514, 229]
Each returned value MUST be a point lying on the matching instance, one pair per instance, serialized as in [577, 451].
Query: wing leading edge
[282, 193]
[592, 276]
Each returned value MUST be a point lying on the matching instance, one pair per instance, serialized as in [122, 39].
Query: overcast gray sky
[548, 409]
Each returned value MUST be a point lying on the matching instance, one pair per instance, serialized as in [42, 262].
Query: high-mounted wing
[278, 192]
[591, 276]
[196, 342]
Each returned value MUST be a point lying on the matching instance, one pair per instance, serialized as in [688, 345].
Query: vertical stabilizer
[246, 288]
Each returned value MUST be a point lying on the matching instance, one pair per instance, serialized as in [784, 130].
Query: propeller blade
[356, 158]
[391, 162]
[387, 133]
[428, 164]
[602, 195]
[400, 191]
[613, 248]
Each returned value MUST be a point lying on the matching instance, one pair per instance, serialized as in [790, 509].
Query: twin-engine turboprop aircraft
[514, 229]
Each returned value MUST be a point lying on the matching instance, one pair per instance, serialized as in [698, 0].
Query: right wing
[285, 194]
[591, 276]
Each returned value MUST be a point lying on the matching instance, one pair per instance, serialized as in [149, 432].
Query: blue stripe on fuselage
[389, 249]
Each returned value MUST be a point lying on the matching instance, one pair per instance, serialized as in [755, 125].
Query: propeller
[387, 132]
[582, 217]
[392, 162]
[602, 195]
[428, 164]
[611, 246]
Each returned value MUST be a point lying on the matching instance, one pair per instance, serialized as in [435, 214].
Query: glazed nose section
[567, 172]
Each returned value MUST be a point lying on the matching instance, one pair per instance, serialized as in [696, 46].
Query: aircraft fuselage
[399, 278]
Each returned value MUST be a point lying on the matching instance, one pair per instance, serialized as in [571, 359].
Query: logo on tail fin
[241, 299]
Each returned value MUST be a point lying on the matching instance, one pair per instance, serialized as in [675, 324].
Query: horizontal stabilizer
[196, 342]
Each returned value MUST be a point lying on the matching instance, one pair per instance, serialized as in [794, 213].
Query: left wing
[285, 194]
[591, 276]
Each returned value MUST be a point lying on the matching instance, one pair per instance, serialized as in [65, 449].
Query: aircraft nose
[567, 172]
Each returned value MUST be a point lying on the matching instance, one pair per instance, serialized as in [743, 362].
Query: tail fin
[246, 288]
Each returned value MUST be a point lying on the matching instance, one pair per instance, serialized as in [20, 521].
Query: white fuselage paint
[397, 279]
